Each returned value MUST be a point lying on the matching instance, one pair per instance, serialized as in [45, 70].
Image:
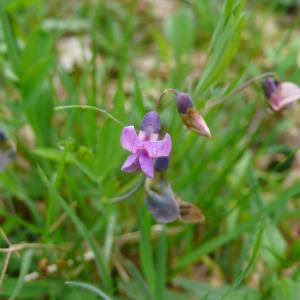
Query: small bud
[183, 102]
[161, 163]
[270, 86]
[151, 123]
[190, 116]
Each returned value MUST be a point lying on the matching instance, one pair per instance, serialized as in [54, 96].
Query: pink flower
[145, 147]
[280, 94]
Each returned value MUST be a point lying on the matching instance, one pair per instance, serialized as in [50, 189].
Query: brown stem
[166, 91]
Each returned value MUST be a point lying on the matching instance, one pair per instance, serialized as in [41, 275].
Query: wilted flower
[280, 94]
[163, 203]
[145, 147]
[189, 114]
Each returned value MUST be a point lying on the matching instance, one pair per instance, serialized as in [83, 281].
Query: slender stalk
[125, 196]
[165, 92]
[91, 108]
[240, 89]
[246, 84]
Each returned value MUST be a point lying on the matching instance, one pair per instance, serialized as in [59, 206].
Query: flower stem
[246, 84]
[239, 89]
[165, 92]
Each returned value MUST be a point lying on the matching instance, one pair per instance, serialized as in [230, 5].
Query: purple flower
[280, 94]
[145, 147]
[189, 114]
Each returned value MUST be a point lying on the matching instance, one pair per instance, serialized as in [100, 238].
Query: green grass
[73, 226]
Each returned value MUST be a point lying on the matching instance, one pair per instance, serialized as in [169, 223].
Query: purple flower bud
[161, 163]
[189, 114]
[151, 123]
[183, 102]
[270, 86]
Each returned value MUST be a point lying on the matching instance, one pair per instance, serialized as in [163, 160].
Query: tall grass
[72, 229]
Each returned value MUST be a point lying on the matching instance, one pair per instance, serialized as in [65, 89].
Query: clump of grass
[66, 231]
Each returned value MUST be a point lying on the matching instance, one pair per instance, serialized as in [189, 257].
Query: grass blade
[82, 230]
[89, 287]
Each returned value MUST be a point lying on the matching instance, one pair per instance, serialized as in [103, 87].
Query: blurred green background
[61, 235]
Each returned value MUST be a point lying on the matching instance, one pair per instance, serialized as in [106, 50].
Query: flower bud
[161, 163]
[270, 86]
[151, 123]
[189, 114]
[183, 102]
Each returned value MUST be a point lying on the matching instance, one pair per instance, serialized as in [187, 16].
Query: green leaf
[10, 40]
[26, 262]
[89, 287]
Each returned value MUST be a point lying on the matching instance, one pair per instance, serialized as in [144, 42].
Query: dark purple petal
[161, 163]
[146, 164]
[159, 148]
[270, 86]
[151, 123]
[183, 102]
[129, 139]
[131, 164]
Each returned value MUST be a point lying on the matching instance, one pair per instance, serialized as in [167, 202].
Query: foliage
[72, 72]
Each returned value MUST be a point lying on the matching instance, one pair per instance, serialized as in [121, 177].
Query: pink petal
[159, 148]
[129, 139]
[146, 164]
[288, 93]
[199, 125]
[131, 164]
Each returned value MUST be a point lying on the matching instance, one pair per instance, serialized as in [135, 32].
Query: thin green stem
[76, 106]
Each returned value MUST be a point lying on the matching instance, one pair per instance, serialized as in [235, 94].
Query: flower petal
[131, 164]
[288, 93]
[129, 139]
[159, 148]
[146, 164]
